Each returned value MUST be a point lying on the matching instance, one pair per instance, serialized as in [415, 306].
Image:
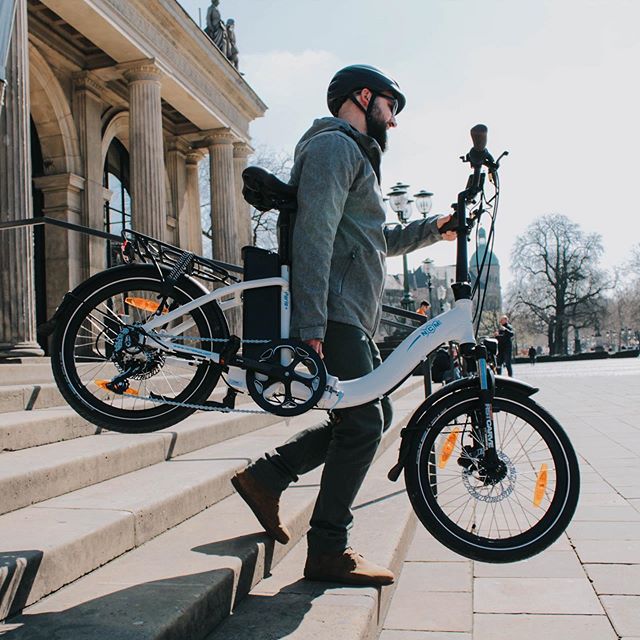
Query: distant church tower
[490, 275]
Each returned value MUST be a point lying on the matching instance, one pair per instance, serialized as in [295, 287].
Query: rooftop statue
[223, 35]
[232, 49]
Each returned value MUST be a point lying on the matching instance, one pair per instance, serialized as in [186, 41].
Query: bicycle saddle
[264, 191]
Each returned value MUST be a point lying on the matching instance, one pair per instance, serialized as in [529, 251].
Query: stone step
[33, 428]
[29, 397]
[284, 605]
[32, 475]
[26, 397]
[185, 581]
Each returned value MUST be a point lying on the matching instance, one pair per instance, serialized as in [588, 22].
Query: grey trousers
[346, 443]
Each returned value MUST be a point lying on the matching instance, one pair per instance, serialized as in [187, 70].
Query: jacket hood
[367, 144]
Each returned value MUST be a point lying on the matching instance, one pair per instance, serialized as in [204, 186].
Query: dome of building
[479, 254]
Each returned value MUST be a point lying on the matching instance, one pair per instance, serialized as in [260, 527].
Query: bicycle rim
[90, 359]
[506, 512]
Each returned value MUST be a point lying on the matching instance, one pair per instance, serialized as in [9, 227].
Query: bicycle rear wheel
[493, 513]
[87, 355]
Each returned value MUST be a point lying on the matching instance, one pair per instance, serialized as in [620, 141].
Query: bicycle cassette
[293, 383]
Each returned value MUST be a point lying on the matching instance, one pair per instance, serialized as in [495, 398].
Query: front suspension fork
[487, 391]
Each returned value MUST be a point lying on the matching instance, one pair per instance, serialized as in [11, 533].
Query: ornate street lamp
[401, 205]
[424, 202]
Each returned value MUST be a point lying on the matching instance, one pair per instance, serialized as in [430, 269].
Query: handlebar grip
[479, 137]
[452, 225]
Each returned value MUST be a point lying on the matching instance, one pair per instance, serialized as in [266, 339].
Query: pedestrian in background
[532, 355]
[423, 309]
[505, 335]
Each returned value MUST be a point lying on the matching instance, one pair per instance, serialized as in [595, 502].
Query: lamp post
[442, 294]
[401, 205]
[427, 267]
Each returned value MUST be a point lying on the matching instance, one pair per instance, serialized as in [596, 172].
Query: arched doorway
[117, 211]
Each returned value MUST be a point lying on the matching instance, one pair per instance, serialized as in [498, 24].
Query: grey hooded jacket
[340, 241]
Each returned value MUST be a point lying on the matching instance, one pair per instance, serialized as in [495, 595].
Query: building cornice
[197, 78]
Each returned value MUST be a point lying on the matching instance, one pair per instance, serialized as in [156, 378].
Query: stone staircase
[106, 535]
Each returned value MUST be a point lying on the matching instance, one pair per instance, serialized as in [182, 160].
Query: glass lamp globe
[424, 201]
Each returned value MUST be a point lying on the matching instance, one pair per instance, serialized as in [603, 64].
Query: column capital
[178, 144]
[86, 81]
[242, 150]
[141, 70]
[194, 156]
[220, 137]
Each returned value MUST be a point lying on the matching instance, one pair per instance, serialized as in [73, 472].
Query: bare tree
[264, 224]
[558, 278]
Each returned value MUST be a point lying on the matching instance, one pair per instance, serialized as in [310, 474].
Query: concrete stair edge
[124, 535]
[43, 472]
[200, 601]
[284, 605]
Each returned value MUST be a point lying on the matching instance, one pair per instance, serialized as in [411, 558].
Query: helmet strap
[369, 109]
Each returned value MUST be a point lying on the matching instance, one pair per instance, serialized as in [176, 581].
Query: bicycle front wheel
[500, 511]
[88, 356]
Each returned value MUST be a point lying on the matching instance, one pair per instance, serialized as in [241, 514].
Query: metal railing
[396, 311]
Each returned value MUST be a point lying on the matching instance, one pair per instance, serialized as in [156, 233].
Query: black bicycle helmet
[360, 76]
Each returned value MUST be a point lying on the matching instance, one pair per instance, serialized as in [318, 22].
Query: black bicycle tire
[526, 544]
[121, 420]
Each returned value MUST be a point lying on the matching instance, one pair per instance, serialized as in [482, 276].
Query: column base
[21, 350]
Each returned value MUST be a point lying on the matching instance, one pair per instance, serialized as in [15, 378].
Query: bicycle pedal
[230, 349]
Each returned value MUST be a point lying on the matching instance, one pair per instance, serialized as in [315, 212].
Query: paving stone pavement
[586, 585]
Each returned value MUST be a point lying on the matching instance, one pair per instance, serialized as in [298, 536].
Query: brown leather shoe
[346, 567]
[264, 503]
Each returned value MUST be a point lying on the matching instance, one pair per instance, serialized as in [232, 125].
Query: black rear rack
[148, 249]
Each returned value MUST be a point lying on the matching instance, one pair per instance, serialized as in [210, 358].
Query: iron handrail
[16, 224]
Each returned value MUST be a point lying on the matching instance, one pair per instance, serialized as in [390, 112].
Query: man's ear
[366, 97]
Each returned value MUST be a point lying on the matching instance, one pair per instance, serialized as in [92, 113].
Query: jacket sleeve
[417, 234]
[328, 166]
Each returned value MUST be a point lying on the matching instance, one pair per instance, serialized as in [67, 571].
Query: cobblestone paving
[587, 585]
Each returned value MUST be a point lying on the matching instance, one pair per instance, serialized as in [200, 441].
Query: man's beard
[377, 127]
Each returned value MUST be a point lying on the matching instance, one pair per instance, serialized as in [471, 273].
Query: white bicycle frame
[453, 325]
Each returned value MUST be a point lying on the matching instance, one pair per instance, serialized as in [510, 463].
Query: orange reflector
[144, 304]
[541, 485]
[448, 447]
[103, 385]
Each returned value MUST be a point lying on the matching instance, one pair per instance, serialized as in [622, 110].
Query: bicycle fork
[485, 427]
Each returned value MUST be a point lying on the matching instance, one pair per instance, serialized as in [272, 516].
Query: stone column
[177, 172]
[223, 197]
[241, 151]
[193, 221]
[17, 293]
[65, 252]
[87, 107]
[147, 150]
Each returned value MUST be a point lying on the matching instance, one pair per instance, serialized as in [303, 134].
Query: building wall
[141, 72]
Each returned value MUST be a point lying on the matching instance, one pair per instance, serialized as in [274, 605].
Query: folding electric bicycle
[141, 346]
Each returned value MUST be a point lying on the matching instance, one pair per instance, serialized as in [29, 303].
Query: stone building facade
[109, 107]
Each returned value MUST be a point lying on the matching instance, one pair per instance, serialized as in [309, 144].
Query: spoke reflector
[144, 304]
[541, 485]
[448, 447]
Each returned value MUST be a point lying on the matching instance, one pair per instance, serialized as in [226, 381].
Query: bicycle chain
[200, 407]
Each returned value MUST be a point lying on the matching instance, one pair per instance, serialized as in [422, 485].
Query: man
[423, 309]
[338, 271]
[505, 337]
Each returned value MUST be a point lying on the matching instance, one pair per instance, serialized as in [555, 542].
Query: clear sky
[556, 82]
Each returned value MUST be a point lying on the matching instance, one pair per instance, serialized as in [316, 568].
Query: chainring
[297, 383]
